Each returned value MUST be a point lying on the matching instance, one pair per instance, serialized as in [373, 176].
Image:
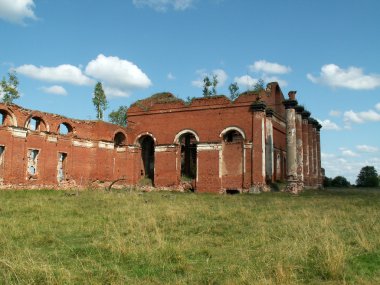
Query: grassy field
[120, 237]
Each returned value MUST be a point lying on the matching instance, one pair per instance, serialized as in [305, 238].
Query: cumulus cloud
[64, 73]
[246, 81]
[361, 117]
[164, 5]
[351, 78]
[117, 73]
[329, 125]
[17, 11]
[221, 75]
[367, 148]
[269, 67]
[55, 89]
[377, 106]
[119, 76]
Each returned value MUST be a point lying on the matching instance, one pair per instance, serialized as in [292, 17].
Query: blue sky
[327, 50]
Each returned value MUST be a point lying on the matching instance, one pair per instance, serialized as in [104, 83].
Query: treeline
[367, 177]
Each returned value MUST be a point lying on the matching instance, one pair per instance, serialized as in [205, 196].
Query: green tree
[259, 86]
[340, 181]
[119, 116]
[99, 100]
[234, 90]
[214, 84]
[206, 86]
[8, 88]
[367, 177]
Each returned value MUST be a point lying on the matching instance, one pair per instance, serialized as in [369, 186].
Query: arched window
[188, 143]
[120, 139]
[233, 136]
[6, 118]
[147, 156]
[36, 124]
[65, 129]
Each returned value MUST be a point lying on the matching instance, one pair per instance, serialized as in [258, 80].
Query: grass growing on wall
[119, 237]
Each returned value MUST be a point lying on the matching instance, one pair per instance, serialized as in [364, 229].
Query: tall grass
[120, 237]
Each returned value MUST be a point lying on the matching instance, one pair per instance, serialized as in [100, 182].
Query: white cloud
[351, 78]
[16, 11]
[63, 73]
[55, 89]
[117, 73]
[246, 81]
[164, 5]
[115, 92]
[360, 117]
[329, 125]
[269, 67]
[367, 148]
[335, 113]
[377, 106]
[220, 74]
[281, 82]
[171, 76]
[347, 152]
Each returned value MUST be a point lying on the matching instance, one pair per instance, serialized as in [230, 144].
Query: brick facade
[210, 144]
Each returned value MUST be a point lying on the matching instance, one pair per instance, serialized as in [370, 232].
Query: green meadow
[131, 237]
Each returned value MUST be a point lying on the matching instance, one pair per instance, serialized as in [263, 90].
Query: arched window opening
[2, 118]
[65, 129]
[147, 157]
[188, 144]
[120, 139]
[36, 124]
[5, 118]
[233, 136]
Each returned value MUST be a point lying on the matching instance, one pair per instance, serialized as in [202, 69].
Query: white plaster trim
[247, 145]
[145, 134]
[106, 145]
[52, 139]
[209, 146]
[177, 136]
[226, 130]
[19, 133]
[86, 144]
[121, 149]
[164, 148]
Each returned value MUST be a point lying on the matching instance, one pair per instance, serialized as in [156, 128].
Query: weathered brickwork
[209, 145]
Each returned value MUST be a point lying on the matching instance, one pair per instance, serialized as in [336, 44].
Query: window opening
[61, 168]
[188, 156]
[32, 161]
[119, 139]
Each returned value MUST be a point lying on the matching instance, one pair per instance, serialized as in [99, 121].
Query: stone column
[299, 146]
[311, 152]
[269, 160]
[305, 145]
[319, 166]
[291, 146]
[258, 147]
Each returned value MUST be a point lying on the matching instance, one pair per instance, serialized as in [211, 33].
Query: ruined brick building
[214, 144]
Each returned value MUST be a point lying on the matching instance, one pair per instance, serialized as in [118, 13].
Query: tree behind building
[99, 100]
[8, 88]
[119, 116]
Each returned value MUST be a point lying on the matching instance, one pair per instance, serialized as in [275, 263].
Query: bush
[340, 181]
